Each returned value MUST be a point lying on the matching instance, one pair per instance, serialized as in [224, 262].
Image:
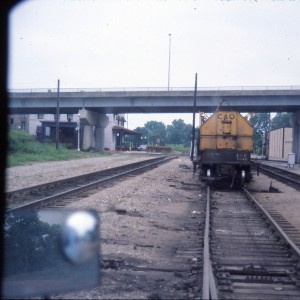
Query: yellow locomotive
[224, 148]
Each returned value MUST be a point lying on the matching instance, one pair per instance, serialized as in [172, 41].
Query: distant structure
[43, 126]
[280, 143]
[18, 122]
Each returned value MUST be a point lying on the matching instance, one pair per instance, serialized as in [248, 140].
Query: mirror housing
[50, 251]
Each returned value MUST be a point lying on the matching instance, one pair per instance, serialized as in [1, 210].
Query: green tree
[156, 133]
[179, 133]
[281, 120]
[143, 139]
[30, 244]
[187, 134]
[261, 124]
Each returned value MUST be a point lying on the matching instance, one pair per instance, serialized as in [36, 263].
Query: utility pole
[57, 117]
[169, 61]
[194, 112]
[262, 144]
[78, 132]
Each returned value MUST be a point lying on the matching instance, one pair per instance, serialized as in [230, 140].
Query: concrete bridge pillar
[99, 136]
[89, 119]
[88, 137]
[296, 135]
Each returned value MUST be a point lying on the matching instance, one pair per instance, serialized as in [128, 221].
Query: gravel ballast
[144, 221]
[38, 173]
[139, 222]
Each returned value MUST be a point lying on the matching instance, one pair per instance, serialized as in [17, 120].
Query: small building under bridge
[67, 132]
[126, 139]
[115, 136]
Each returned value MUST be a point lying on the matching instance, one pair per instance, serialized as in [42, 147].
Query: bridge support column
[88, 119]
[296, 135]
[88, 137]
[101, 124]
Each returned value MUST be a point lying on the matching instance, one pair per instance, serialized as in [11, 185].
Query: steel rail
[274, 223]
[209, 290]
[205, 290]
[279, 175]
[212, 284]
[47, 200]
[67, 180]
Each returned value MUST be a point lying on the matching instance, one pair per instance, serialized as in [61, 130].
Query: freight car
[224, 147]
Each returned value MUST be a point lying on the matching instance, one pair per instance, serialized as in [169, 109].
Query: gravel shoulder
[286, 202]
[152, 250]
[39, 173]
[162, 212]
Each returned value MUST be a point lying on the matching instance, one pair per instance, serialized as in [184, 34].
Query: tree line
[157, 133]
[263, 123]
[179, 133]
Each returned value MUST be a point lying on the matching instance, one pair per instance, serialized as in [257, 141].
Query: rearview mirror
[50, 251]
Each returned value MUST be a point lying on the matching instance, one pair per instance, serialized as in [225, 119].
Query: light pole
[169, 61]
[262, 144]
[57, 116]
[78, 133]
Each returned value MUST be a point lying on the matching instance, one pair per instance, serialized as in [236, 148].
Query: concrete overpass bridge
[155, 100]
[93, 104]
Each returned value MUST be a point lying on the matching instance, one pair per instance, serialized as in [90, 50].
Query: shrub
[22, 141]
[24, 149]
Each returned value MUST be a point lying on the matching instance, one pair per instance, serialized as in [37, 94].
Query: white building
[280, 143]
[43, 126]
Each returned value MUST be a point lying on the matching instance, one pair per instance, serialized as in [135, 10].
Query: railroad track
[247, 254]
[176, 258]
[62, 192]
[152, 241]
[284, 176]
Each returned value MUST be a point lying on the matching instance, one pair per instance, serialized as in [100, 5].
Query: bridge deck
[286, 99]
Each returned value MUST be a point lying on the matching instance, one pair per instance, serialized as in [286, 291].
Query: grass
[180, 148]
[24, 149]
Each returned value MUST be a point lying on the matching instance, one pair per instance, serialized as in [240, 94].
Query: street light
[78, 133]
[169, 61]
[262, 144]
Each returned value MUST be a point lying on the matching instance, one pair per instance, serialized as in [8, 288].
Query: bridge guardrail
[154, 89]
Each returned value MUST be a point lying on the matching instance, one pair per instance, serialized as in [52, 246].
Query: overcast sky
[125, 43]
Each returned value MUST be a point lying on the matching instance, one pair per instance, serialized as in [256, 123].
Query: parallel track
[284, 176]
[53, 192]
[251, 257]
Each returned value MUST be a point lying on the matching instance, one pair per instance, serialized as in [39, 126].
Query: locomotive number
[241, 157]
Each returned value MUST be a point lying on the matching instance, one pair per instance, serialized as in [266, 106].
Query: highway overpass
[155, 100]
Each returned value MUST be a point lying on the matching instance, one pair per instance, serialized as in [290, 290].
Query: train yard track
[289, 178]
[173, 269]
[251, 255]
[158, 247]
[62, 192]
[151, 235]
